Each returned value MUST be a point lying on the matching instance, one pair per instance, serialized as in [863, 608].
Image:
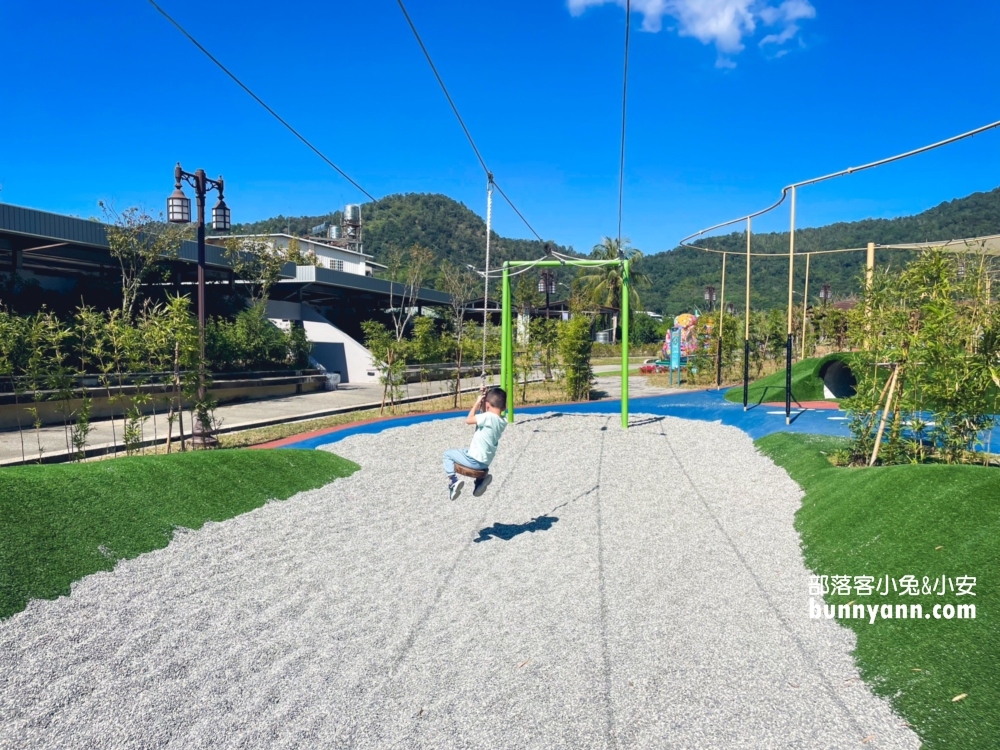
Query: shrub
[928, 367]
[252, 342]
[574, 348]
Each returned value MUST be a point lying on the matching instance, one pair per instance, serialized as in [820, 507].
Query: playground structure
[507, 328]
[679, 343]
[989, 245]
[985, 245]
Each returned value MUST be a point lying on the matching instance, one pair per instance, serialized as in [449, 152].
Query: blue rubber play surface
[706, 406]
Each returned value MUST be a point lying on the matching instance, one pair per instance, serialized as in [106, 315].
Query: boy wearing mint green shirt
[485, 414]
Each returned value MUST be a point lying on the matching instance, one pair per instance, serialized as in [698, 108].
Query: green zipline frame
[507, 328]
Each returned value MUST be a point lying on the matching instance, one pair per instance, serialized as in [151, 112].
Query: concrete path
[640, 589]
[232, 417]
[247, 415]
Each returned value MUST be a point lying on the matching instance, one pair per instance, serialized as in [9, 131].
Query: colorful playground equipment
[680, 342]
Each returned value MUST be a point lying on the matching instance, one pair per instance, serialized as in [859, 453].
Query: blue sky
[729, 100]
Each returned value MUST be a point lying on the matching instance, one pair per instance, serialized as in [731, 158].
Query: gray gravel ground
[610, 590]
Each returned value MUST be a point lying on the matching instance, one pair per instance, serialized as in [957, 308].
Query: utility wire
[461, 122]
[621, 163]
[260, 101]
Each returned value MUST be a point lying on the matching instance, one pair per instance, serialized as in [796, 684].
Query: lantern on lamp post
[179, 212]
[710, 298]
[547, 285]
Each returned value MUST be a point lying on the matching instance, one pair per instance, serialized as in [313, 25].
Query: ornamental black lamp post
[710, 297]
[547, 284]
[825, 294]
[179, 212]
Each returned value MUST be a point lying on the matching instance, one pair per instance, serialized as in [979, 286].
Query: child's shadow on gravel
[508, 531]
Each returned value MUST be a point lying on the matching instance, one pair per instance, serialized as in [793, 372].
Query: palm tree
[602, 285]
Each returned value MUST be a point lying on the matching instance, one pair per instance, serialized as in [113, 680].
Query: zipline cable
[520, 215]
[458, 116]
[621, 162]
[486, 275]
[260, 101]
[444, 88]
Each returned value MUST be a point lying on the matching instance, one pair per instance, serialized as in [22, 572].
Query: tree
[643, 329]
[425, 344]
[575, 344]
[406, 272]
[138, 241]
[386, 356]
[294, 254]
[255, 261]
[545, 335]
[603, 284]
[462, 285]
[929, 340]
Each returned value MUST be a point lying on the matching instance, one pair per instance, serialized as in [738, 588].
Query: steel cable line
[260, 101]
[511, 204]
[621, 163]
[458, 116]
[850, 170]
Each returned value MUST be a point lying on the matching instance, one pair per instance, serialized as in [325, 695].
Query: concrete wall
[332, 348]
[52, 412]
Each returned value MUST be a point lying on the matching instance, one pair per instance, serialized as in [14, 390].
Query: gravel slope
[611, 590]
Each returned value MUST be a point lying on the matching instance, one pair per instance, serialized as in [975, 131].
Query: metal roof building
[57, 250]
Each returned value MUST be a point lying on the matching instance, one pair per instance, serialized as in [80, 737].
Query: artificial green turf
[806, 383]
[61, 522]
[891, 521]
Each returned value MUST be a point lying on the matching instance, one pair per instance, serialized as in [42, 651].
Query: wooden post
[885, 414]
[869, 280]
[870, 265]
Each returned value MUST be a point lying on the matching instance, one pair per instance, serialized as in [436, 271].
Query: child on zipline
[489, 427]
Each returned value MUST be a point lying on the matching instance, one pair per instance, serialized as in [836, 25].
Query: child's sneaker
[481, 485]
[455, 484]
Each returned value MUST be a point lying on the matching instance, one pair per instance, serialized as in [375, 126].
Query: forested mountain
[449, 228]
[679, 277]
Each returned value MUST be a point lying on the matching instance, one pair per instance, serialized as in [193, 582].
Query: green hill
[679, 277]
[449, 228]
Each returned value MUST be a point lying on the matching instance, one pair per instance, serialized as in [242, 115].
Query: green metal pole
[511, 373]
[505, 343]
[503, 319]
[626, 290]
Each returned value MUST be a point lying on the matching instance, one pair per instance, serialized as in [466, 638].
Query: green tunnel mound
[838, 377]
[808, 376]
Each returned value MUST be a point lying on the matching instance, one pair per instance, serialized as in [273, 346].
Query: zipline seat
[465, 471]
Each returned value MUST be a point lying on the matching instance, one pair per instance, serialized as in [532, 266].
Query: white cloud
[724, 23]
[786, 14]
